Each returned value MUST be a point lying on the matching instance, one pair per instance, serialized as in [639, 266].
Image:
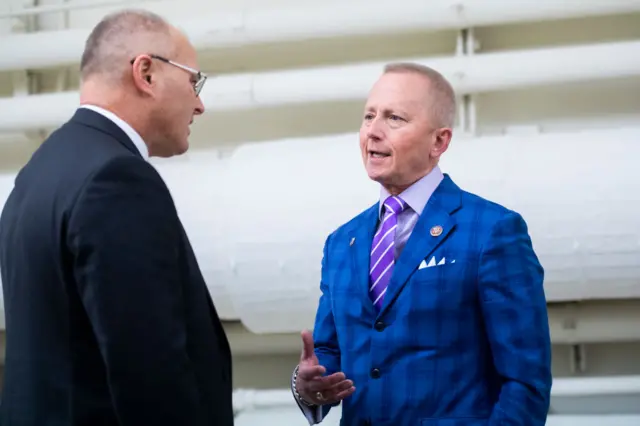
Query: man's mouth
[378, 154]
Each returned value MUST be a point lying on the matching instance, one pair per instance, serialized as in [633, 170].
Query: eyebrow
[396, 110]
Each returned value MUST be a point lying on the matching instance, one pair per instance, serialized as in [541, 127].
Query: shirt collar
[129, 131]
[418, 194]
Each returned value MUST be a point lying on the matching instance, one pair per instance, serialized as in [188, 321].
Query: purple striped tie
[383, 250]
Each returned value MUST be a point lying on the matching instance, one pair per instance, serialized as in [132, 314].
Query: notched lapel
[420, 245]
[431, 230]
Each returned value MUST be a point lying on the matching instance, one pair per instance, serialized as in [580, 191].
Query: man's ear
[142, 70]
[442, 138]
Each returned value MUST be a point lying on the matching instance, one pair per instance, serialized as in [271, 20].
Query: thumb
[308, 353]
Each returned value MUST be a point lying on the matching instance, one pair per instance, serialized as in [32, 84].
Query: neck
[117, 101]
[396, 190]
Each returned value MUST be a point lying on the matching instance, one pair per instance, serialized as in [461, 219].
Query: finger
[310, 372]
[334, 395]
[325, 386]
[307, 346]
[341, 387]
[344, 393]
[327, 382]
[340, 391]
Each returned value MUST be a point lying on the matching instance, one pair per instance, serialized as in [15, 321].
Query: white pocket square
[433, 262]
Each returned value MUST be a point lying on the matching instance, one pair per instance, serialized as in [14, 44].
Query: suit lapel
[362, 237]
[422, 242]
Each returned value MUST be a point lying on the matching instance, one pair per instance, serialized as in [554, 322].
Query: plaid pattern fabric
[463, 336]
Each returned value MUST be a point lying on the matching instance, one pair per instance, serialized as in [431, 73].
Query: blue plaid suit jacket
[465, 343]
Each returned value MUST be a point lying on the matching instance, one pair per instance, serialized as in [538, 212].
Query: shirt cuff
[313, 413]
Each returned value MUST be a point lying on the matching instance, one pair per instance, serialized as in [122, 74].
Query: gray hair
[121, 36]
[443, 104]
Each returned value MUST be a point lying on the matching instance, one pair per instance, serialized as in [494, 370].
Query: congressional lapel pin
[353, 240]
[436, 231]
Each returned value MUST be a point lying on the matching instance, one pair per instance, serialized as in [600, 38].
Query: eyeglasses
[202, 77]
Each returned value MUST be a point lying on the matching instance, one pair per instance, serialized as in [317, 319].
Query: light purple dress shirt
[416, 196]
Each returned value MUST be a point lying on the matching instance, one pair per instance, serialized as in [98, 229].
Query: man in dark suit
[432, 308]
[108, 318]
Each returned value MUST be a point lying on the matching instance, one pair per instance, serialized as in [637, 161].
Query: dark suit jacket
[108, 318]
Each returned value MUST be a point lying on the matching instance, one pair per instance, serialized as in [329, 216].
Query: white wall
[552, 108]
[564, 106]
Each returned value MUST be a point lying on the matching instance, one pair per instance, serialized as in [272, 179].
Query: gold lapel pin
[436, 231]
[353, 240]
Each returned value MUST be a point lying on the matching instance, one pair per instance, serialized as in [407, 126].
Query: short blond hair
[443, 103]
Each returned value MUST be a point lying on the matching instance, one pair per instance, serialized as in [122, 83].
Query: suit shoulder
[128, 174]
[73, 153]
[119, 176]
[491, 217]
[126, 166]
[122, 181]
[490, 209]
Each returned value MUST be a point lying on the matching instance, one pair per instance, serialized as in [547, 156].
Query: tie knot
[394, 205]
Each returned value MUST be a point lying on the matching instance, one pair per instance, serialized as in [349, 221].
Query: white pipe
[472, 74]
[602, 322]
[64, 7]
[590, 246]
[596, 395]
[255, 399]
[592, 420]
[246, 26]
[590, 386]
[252, 399]
[593, 322]
[582, 219]
[6, 185]
[198, 206]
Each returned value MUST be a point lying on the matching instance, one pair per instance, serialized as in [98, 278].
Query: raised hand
[312, 385]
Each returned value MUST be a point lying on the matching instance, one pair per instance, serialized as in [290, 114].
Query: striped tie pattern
[383, 250]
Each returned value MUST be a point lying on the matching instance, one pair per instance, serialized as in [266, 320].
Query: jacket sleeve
[325, 337]
[124, 237]
[515, 314]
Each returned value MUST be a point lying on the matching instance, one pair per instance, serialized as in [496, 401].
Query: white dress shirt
[126, 128]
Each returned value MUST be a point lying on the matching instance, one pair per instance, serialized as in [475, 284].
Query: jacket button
[379, 325]
[375, 373]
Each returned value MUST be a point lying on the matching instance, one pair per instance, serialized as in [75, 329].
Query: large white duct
[579, 192]
[6, 185]
[596, 395]
[304, 20]
[197, 191]
[197, 187]
[258, 220]
[468, 74]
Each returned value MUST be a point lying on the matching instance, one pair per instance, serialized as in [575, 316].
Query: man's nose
[199, 107]
[374, 131]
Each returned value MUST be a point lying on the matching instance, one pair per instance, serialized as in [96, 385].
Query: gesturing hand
[311, 385]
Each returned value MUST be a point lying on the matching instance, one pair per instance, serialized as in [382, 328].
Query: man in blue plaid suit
[432, 311]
